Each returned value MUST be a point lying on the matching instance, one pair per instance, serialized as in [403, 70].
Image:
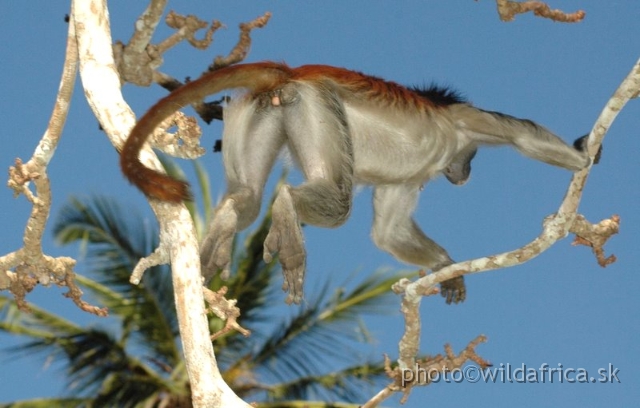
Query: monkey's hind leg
[285, 237]
[529, 138]
[253, 136]
[318, 139]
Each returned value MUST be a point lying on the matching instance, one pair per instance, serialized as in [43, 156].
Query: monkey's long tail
[257, 77]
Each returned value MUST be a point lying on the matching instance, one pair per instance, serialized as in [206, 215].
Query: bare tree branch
[508, 9]
[31, 266]
[178, 242]
[226, 310]
[424, 371]
[138, 60]
[187, 28]
[595, 236]
[555, 227]
[240, 51]
[209, 111]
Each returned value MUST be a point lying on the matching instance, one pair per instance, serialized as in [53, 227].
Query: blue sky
[560, 308]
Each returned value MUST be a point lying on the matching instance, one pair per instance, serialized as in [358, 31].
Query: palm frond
[295, 358]
[349, 384]
[125, 389]
[305, 404]
[372, 296]
[252, 283]
[175, 171]
[117, 239]
[106, 296]
[252, 287]
[116, 235]
[38, 324]
[327, 332]
[91, 356]
[48, 403]
[204, 185]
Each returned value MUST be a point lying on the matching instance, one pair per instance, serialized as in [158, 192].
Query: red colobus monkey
[341, 127]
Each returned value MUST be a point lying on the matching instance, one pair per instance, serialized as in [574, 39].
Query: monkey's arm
[395, 231]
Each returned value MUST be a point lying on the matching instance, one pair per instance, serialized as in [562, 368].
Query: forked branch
[23, 269]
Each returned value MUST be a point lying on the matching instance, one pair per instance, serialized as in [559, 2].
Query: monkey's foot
[215, 253]
[285, 238]
[454, 290]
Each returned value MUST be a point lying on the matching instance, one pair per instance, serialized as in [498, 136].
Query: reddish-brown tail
[258, 77]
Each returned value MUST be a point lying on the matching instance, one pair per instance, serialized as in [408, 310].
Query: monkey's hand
[454, 290]
[285, 238]
[215, 253]
[581, 144]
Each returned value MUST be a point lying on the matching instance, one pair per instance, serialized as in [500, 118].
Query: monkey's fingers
[454, 290]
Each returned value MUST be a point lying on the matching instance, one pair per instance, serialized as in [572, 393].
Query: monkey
[341, 128]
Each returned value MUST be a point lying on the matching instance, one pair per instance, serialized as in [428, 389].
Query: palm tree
[293, 354]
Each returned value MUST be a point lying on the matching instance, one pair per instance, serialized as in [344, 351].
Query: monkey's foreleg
[395, 231]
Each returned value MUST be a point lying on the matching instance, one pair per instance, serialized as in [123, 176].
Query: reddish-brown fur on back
[257, 77]
[370, 87]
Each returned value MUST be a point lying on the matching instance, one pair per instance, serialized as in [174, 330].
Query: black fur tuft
[440, 95]
[581, 144]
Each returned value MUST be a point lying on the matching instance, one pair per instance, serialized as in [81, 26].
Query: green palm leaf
[310, 352]
[115, 239]
[327, 332]
[48, 403]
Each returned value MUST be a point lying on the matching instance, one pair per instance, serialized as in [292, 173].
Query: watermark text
[508, 373]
